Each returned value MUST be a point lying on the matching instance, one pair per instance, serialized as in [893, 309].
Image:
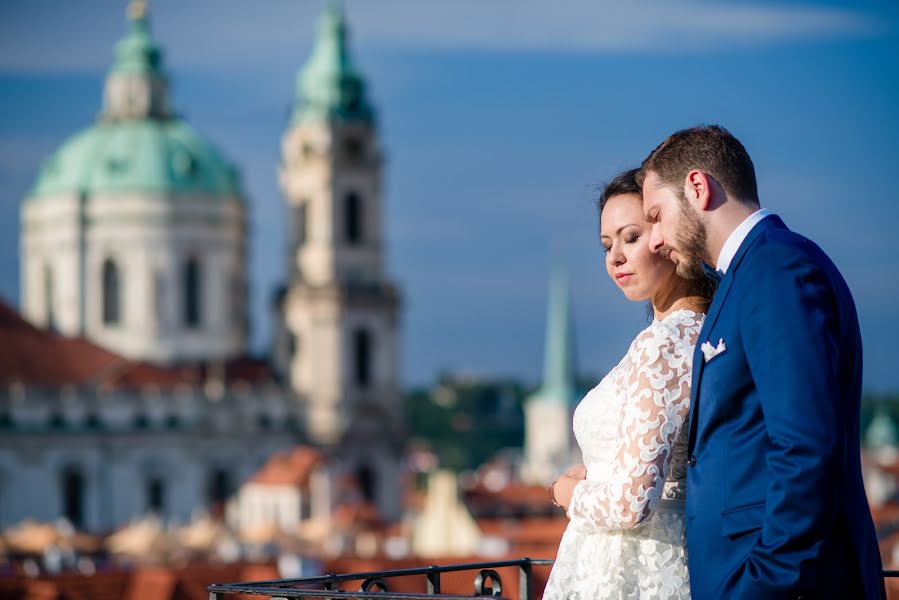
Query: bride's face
[624, 234]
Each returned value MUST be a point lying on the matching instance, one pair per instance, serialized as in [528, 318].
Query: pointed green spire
[881, 432]
[329, 87]
[137, 53]
[558, 364]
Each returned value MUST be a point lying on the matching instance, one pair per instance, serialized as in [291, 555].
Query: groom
[775, 503]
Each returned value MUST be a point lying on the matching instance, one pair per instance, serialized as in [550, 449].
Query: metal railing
[487, 582]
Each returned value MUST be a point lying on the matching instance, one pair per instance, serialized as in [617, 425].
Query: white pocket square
[710, 351]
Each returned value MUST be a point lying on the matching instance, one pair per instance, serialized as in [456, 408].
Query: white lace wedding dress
[625, 539]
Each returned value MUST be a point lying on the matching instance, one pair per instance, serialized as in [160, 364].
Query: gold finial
[137, 10]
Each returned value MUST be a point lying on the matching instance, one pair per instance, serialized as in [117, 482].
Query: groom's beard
[691, 242]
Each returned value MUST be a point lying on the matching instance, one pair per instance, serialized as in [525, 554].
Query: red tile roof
[35, 356]
[158, 583]
[291, 467]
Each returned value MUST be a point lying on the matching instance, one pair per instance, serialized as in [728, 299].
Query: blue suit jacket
[775, 503]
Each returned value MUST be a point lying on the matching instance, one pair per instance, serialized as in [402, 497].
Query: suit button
[691, 462]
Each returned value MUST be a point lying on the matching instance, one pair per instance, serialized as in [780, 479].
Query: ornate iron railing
[487, 582]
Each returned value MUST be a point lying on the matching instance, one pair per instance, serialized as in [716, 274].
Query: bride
[625, 538]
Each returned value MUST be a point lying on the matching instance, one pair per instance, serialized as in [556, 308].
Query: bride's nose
[616, 256]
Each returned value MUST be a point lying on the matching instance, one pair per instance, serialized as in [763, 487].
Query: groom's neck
[722, 223]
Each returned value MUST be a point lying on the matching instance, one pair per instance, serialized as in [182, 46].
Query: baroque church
[126, 386]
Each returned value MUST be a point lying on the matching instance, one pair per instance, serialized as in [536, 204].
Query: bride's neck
[677, 299]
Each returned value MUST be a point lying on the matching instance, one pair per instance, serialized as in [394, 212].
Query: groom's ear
[699, 187]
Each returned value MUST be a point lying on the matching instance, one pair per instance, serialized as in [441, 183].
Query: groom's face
[677, 231]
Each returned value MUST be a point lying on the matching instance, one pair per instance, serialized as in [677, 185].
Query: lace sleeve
[657, 397]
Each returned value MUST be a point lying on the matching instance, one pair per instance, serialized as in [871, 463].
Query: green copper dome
[329, 86]
[137, 144]
[137, 156]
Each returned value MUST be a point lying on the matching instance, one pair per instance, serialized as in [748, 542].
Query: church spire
[329, 86]
[558, 365]
[136, 84]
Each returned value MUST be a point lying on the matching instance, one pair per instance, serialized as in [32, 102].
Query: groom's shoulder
[788, 247]
[779, 252]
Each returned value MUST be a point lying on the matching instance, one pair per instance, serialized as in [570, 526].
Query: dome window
[184, 164]
[192, 293]
[116, 165]
[111, 296]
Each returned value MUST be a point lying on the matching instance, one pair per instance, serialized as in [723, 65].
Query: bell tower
[339, 310]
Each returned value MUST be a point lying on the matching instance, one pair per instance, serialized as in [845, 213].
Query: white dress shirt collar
[732, 244]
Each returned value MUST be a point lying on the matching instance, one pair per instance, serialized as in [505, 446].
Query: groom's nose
[656, 241]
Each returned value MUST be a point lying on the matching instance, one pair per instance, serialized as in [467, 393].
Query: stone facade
[102, 458]
[151, 307]
[338, 312]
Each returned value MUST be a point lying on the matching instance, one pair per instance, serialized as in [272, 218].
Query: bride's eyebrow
[617, 231]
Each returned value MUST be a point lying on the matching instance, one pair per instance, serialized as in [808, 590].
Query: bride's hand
[563, 489]
[577, 472]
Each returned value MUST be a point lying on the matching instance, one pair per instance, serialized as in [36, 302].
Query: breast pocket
[738, 521]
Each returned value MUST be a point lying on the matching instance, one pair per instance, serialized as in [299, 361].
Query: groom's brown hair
[713, 150]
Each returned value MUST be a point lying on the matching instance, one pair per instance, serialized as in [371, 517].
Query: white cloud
[41, 35]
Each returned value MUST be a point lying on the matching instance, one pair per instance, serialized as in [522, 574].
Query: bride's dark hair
[625, 184]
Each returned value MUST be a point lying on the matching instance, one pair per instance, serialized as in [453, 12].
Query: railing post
[329, 584]
[433, 580]
[525, 579]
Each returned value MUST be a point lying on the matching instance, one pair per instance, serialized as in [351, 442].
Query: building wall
[150, 239]
[120, 441]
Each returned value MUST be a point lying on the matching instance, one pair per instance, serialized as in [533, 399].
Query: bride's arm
[656, 406]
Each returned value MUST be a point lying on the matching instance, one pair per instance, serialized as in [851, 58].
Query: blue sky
[499, 121]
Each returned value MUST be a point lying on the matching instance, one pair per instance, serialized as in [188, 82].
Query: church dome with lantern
[133, 233]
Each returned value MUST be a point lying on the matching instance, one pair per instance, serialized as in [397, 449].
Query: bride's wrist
[552, 493]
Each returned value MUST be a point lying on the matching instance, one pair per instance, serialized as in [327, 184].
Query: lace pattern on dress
[625, 540]
[654, 379]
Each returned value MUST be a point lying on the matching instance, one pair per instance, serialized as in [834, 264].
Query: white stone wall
[150, 239]
[335, 288]
[550, 447]
[118, 458]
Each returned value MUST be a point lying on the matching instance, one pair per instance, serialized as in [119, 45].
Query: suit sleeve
[789, 324]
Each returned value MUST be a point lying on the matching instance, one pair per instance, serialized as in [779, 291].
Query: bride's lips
[623, 277]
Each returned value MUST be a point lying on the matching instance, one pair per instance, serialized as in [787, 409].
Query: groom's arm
[789, 325]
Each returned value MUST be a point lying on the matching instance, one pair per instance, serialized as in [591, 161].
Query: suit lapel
[770, 222]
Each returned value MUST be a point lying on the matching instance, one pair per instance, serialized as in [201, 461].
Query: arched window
[219, 486]
[367, 482]
[156, 495]
[73, 495]
[192, 293]
[362, 355]
[353, 218]
[48, 296]
[238, 293]
[112, 307]
[300, 224]
[158, 283]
